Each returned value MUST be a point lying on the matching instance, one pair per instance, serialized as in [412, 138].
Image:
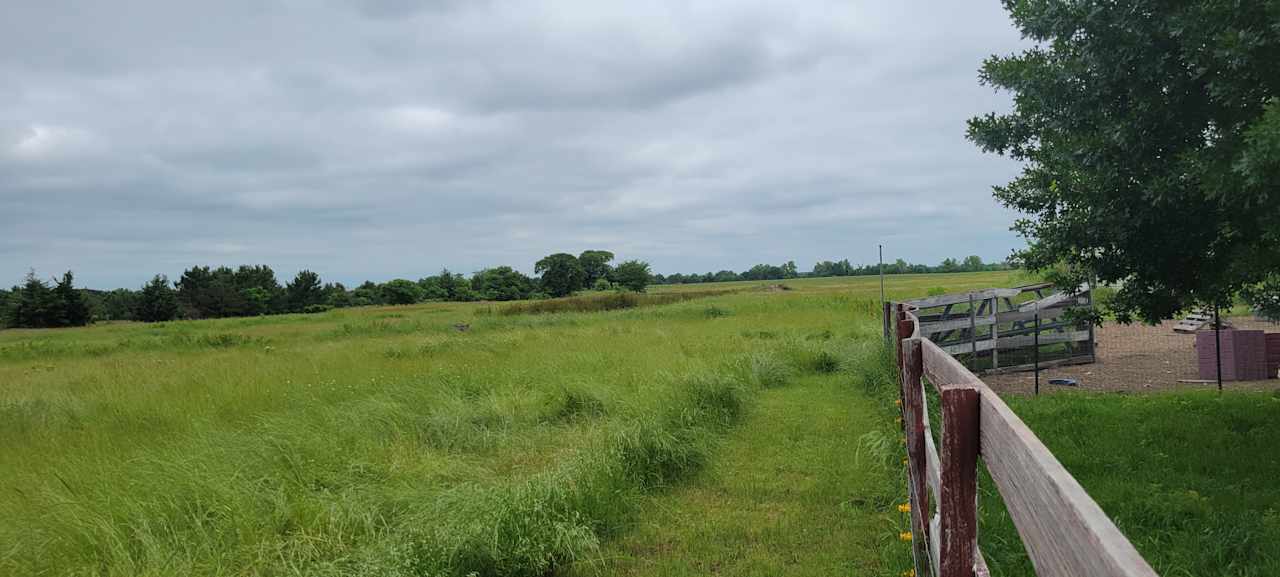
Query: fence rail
[996, 330]
[1065, 532]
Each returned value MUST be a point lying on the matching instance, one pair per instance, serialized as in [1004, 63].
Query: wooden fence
[1065, 532]
[1009, 329]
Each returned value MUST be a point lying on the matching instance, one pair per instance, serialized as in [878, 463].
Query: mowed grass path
[794, 491]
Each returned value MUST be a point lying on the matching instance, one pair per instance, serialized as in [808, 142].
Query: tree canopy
[633, 275]
[304, 291]
[561, 274]
[595, 265]
[1150, 134]
[502, 283]
[157, 302]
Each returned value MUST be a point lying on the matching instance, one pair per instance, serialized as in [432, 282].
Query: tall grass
[605, 302]
[377, 442]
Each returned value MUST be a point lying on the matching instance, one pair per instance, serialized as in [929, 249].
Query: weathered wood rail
[994, 329]
[1065, 532]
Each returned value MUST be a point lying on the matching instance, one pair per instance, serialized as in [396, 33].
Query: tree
[31, 304]
[336, 295]
[118, 304]
[1264, 297]
[157, 302]
[401, 292]
[68, 304]
[368, 293]
[1150, 137]
[501, 284]
[633, 275]
[595, 265]
[561, 274]
[303, 291]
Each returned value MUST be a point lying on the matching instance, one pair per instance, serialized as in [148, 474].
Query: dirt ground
[1134, 358]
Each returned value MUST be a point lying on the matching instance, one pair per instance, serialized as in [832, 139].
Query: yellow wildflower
[904, 508]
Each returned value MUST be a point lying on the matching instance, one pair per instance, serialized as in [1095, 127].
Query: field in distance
[437, 439]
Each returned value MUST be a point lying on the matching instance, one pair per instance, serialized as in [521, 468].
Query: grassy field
[446, 439]
[1189, 477]
[742, 433]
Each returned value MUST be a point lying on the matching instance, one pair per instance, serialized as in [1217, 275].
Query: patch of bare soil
[1134, 358]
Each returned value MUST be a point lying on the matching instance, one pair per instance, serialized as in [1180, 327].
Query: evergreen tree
[69, 308]
[30, 304]
[157, 302]
[303, 291]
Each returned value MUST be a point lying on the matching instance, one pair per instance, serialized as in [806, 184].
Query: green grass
[386, 441]
[1190, 478]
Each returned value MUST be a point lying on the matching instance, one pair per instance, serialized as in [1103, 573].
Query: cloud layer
[384, 138]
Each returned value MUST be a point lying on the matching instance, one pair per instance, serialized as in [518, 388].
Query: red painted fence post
[914, 418]
[958, 501]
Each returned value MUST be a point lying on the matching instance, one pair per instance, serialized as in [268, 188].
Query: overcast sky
[389, 138]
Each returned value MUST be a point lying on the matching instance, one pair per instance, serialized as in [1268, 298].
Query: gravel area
[1134, 358]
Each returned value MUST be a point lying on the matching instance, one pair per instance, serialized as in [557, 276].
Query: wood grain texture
[958, 298]
[916, 417]
[1018, 342]
[1065, 532]
[941, 368]
[958, 501]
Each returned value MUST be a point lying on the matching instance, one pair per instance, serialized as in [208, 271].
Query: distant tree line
[827, 268]
[37, 303]
[204, 292]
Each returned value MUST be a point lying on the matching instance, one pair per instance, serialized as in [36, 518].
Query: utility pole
[881, 275]
[1217, 343]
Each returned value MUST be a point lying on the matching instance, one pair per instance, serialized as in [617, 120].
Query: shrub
[604, 302]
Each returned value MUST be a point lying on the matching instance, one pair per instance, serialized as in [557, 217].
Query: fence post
[1217, 343]
[899, 319]
[958, 501]
[917, 483]
[887, 306]
[995, 333]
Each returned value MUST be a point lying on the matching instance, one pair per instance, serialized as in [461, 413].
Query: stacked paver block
[1244, 355]
[1273, 355]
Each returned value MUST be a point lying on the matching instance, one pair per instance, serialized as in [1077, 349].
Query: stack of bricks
[1273, 355]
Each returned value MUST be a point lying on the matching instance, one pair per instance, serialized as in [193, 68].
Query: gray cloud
[382, 138]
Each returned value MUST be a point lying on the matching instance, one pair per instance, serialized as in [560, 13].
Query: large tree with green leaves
[562, 274]
[1150, 136]
[501, 283]
[401, 292]
[595, 265]
[633, 275]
